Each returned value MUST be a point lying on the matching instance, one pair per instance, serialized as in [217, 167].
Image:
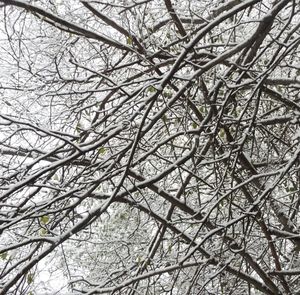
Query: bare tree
[150, 147]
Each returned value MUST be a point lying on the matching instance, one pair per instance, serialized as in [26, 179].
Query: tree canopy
[149, 147]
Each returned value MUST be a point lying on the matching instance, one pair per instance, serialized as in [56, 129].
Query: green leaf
[45, 219]
[3, 255]
[129, 40]
[101, 151]
[195, 125]
[202, 109]
[290, 189]
[139, 260]
[222, 133]
[164, 118]
[235, 113]
[78, 127]
[43, 232]
[221, 203]
[167, 94]
[123, 216]
[30, 278]
[151, 89]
